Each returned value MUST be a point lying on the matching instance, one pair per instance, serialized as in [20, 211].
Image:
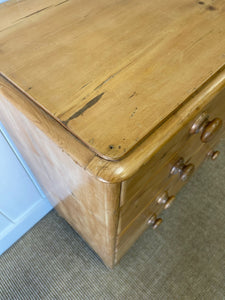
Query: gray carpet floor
[183, 259]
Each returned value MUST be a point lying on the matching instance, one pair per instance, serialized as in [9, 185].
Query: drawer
[128, 236]
[141, 193]
[190, 143]
[163, 181]
[134, 220]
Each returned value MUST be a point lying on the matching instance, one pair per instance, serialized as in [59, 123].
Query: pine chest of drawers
[113, 105]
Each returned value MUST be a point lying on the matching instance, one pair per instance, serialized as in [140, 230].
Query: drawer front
[139, 205]
[162, 182]
[190, 143]
[135, 220]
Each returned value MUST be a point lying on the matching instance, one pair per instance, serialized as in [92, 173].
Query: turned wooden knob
[169, 202]
[185, 171]
[154, 221]
[213, 154]
[166, 200]
[202, 119]
[210, 130]
[163, 198]
[157, 223]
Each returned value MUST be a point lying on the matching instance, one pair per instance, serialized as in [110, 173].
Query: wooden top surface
[111, 71]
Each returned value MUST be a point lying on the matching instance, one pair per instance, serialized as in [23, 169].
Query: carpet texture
[183, 259]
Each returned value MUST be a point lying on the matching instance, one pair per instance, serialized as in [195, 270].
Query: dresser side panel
[89, 205]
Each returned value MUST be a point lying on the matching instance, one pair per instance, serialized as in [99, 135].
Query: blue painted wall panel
[22, 202]
[4, 224]
[18, 193]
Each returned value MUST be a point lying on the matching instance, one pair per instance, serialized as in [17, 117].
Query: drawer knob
[162, 199]
[197, 126]
[187, 171]
[184, 170]
[166, 200]
[210, 130]
[157, 223]
[169, 202]
[213, 154]
[154, 221]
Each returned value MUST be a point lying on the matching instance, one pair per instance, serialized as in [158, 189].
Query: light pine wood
[133, 218]
[88, 204]
[141, 189]
[99, 67]
[153, 145]
[43, 121]
[167, 155]
[104, 98]
[160, 182]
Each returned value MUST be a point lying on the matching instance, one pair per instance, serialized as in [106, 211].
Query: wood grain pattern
[99, 67]
[100, 98]
[142, 188]
[88, 204]
[183, 141]
[133, 218]
[152, 146]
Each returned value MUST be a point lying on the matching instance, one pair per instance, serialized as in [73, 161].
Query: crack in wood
[84, 108]
[34, 13]
[8, 27]
[61, 2]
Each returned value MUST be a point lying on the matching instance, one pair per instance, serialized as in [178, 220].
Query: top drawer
[204, 127]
